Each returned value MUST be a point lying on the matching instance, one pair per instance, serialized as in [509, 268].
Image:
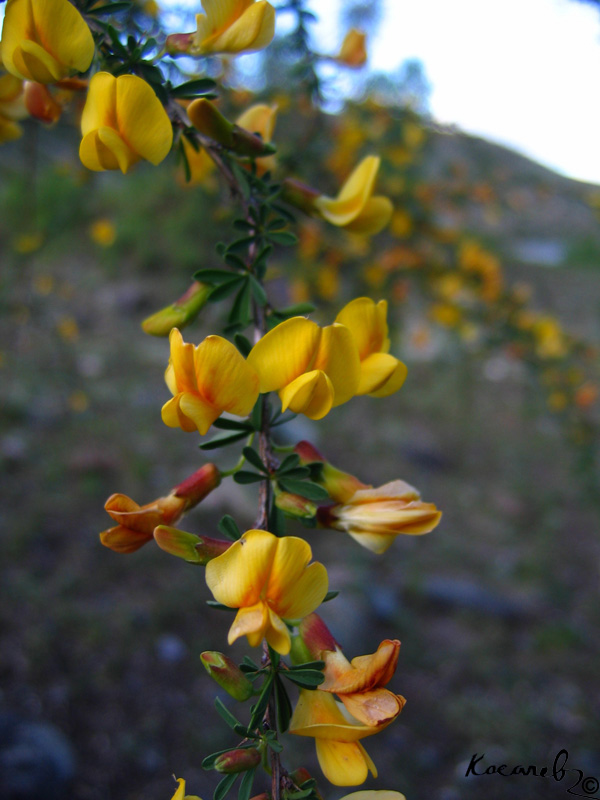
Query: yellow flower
[374, 517]
[205, 381]
[354, 208]
[199, 162]
[233, 26]
[358, 684]
[12, 107]
[374, 794]
[136, 524]
[181, 795]
[343, 759]
[103, 232]
[313, 369]
[45, 41]
[353, 52]
[380, 373]
[260, 119]
[269, 580]
[123, 121]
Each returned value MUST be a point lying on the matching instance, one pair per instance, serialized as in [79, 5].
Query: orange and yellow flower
[206, 381]
[233, 26]
[123, 122]
[313, 369]
[380, 373]
[45, 41]
[354, 208]
[269, 580]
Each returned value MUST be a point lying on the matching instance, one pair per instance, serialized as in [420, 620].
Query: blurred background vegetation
[491, 265]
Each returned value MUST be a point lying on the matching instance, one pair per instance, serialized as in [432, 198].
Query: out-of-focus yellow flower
[43, 284]
[343, 759]
[355, 208]
[375, 516]
[103, 232]
[401, 225]
[358, 684]
[380, 373]
[260, 119]
[353, 52]
[374, 794]
[45, 41]
[557, 401]
[136, 524]
[474, 259]
[199, 163]
[9, 130]
[29, 242]
[328, 282]
[41, 104]
[233, 26]
[68, 329]
[12, 106]
[313, 369]
[206, 381]
[445, 314]
[269, 580]
[79, 402]
[181, 795]
[549, 338]
[123, 121]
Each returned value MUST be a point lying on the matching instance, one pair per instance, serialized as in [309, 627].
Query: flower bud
[299, 195]
[192, 548]
[40, 104]
[178, 44]
[227, 674]
[240, 760]
[180, 313]
[339, 485]
[207, 119]
[293, 505]
[197, 486]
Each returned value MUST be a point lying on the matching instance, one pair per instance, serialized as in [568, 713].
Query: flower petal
[238, 577]
[252, 31]
[373, 707]
[100, 105]
[173, 417]
[141, 119]
[353, 195]
[259, 118]
[32, 62]
[343, 763]
[337, 356]
[124, 540]
[307, 594]
[373, 218]
[277, 634]
[251, 621]
[63, 32]
[201, 413]
[381, 375]
[318, 715]
[367, 322]
[181, 363]
[310, 394]
[225, 379]
[285, 352]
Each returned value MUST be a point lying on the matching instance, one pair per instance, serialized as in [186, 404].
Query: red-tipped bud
[293, 505]
[180, 313]
[240, 760]
[195, 549]
[178, 44]
[40, 104]
[299, 195]
[340, 485]
[227, 674]
[316, 636]
[197, 486]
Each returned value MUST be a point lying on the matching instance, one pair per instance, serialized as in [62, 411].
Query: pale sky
[524, 73]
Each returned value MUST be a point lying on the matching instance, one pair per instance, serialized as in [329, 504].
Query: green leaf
[245, 789]
[307, 678]
[248, 662]
[193, 88]
[291, 461]
[307, 665]
[330, 596]
[243, 225]
[243, 344]
[224, 786]
[232, 424]
[228, 527]
[226, 288]
[283, 706]
[233, 260]
[216, 276]
[256, 415]
[258, 710]
[241, 245]
[258, 291]
[285, 238]
[240, 310]
[297, 310]
[254, 459]
[298, 473]
[218, 606]
[276, 521]
[223, 441]
[305, 489]
[228, 717]
[244, 476]
[110, 8]
[284, 212]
